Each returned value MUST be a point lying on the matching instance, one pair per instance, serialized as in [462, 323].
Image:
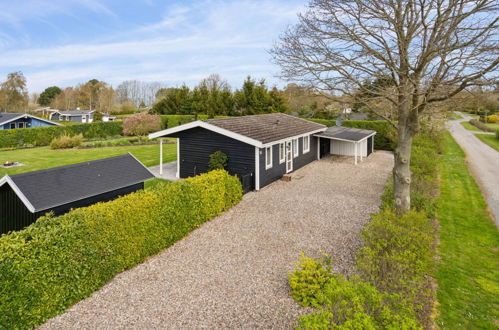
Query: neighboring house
[81, 116]
[260, 148]
[22, 120]
[106, 117]
[25, 197]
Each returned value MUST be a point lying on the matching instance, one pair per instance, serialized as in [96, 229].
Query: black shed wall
[197, 144]
[277, 170]
[15, 216]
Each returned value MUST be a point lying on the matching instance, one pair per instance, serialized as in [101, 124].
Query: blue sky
[64, 42]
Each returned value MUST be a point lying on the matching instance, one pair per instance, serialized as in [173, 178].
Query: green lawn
[44, 157]
[491, 140]
[470, 127]
[495, 126]
[468, 270]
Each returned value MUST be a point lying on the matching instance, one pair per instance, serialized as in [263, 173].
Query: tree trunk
[401, 170]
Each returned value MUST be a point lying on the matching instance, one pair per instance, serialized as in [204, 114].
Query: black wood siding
[278, 170]
[197, 144]
[15, 216]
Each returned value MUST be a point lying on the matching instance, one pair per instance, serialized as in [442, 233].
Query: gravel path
[232, 272]
[482, 160]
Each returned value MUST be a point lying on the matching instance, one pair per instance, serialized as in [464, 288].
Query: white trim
[257, 168]
[282, 153]
[138, 161]
[21, 124]
[290, 159]
[25, 115]
[267, 165]
[296, 151]
[160, 156]
[318, 148]
[334, 138]
[355, 152]
[178, 159]
[203, 124]
[308, 144]
[22, 197]
[294, 137]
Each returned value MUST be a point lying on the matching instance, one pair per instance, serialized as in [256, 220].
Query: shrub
[66, 141]
[493, 119]
[57, 261]
[218, 161]
[480, 125]
[353, 304]
[309, 278]
[141, 124]
[42, 136]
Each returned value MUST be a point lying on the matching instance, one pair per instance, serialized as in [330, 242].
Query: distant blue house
[80, 116]
[22, 120]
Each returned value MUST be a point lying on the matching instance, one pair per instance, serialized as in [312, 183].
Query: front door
[289, 156]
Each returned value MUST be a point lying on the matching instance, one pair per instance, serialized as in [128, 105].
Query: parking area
[233, 271]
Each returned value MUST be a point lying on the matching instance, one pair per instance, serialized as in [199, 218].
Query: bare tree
[430, 49]
[13, 93]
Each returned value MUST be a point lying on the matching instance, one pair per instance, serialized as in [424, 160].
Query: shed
[260, 148]
[9, 120]
[27, 196]
[346, 141]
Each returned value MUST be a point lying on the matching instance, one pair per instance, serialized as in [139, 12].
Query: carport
[345, 141]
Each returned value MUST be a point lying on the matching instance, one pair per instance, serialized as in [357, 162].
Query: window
[12, 125]
[20, 125]
[268, 157]
[306, 144]
[282, 153]
[295, 147]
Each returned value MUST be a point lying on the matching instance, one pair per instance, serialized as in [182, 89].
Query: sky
[66, 42]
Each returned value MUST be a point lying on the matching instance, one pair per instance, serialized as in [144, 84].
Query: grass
[494, 126]
[468, 271]
[44, 157]
[470, 127]
[149, 184]
[491, 140]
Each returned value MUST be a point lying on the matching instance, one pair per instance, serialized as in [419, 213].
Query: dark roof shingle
[8, 116]
[268, 127]
[345, 133]
[61, 185]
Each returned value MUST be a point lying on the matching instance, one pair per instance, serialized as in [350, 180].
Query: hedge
[480, 125]
[42, 136]
[57, 261]
[384, 139]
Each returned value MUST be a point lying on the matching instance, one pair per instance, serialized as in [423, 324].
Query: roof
[257, 130]
[75, 112]
[7, 117]
[46, 189]
[346, 133]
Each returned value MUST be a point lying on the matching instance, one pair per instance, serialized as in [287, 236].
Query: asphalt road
[483, 162]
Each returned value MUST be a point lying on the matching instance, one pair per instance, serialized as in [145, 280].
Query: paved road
[232, 272]
[482, 160]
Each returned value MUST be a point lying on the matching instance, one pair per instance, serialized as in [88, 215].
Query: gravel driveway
[482, 160]
[232, 272]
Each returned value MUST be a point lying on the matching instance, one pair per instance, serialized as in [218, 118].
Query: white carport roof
[347, 134]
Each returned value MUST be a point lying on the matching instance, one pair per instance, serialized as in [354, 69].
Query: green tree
[13, 93]
[177, 101]
[48, 95]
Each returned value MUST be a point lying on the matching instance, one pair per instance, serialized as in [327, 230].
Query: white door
[289, 156]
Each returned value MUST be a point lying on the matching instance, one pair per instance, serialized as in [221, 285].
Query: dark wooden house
[25, 197]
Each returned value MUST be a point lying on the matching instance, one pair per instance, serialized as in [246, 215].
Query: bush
[480, 125]
[493, 119]
[309, 279]
[57, 261]
[353, 304]
[218, 161]
[141, 124]
[42, 136]
[66, 141]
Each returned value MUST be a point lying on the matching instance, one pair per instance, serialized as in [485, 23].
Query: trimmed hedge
[384, 139]
[42, 136]
[57, 261]
[480, 125]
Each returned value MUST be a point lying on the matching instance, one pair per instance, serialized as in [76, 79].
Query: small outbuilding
[27, 196]
[80, 116]
[10, 120]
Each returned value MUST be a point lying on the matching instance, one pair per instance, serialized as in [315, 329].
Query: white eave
[25, 115]
[19, 193]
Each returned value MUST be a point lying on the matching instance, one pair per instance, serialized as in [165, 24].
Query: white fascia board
[294, 137]
[210, 127]
[15, 118]
[26, 202]
[147, 168]
[351, 141]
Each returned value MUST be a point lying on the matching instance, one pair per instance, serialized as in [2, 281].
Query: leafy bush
[480, 125]
[353, 304]
[141, 124]
[385, 133]
[497, 134]
[42, 136]
[218, 161]
[57, 261]
[66, 141]
[309, 278]
[493, 119]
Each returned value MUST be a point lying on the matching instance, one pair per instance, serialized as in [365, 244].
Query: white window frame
[21, 124]
[282, 153]
[268, 157]
[305, 150]
[296, 148]
[12, 125]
